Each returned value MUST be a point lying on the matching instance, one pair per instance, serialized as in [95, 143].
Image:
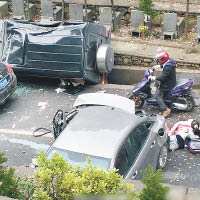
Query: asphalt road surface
[36, 101]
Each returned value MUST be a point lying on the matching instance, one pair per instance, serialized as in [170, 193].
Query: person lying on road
[181, 131]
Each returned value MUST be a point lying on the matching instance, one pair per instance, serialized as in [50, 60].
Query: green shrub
[26, 187]
[153, 189]
[57, 180]
[8, 182]
[147, 7]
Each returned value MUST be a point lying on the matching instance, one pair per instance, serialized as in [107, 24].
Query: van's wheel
[139, 102]
[162, 158]
[190, 104]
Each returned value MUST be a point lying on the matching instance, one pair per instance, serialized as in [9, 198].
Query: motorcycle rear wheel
[139, 102]
[190, 104]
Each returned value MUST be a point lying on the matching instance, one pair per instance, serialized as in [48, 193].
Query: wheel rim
[137, 100]
[189, 105]
[163, 157]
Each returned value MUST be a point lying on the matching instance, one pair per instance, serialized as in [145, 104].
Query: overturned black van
[64, 50]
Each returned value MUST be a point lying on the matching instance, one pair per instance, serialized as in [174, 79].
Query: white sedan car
[105, 128]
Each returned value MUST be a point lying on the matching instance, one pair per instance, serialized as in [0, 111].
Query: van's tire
[105, 58]
[190, 104]
[139, 102]
[162, 157]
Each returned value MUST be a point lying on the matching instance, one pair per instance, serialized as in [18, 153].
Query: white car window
[131, 148]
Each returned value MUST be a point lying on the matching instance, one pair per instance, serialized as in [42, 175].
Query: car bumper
[9, 89]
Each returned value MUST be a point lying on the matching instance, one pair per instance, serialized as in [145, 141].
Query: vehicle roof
[107, 100]
[54, 28]
[96, 130]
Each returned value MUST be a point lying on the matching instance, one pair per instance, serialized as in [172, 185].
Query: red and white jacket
[183, 128]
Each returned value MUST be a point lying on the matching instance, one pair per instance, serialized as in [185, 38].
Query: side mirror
[34, 163]
[161, 132]
[59, 123]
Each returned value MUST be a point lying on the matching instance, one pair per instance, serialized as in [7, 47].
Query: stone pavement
[131, 48]
[163, 5]
[125, 44]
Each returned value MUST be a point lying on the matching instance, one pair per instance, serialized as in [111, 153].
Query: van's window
[92, 51]
[17, 49]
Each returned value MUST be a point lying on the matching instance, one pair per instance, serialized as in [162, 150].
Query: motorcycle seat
[180, 82]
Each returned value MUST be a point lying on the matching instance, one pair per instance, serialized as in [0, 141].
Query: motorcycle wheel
[190, 104]
[139, 102]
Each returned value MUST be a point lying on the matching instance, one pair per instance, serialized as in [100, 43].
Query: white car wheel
[162, 158]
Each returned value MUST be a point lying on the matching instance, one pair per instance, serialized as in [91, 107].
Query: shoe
[166, 113]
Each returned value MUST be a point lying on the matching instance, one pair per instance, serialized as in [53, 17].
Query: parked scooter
[179, 98]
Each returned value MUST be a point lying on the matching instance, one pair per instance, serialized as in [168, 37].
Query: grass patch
[192, 50]
[185, 39]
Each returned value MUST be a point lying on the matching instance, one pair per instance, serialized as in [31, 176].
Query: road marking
[22, 132]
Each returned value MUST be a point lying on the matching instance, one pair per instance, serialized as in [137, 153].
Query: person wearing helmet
[167, 79]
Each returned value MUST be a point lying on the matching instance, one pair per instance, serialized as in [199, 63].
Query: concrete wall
[125, 75]
[135, 60]
[3, 9]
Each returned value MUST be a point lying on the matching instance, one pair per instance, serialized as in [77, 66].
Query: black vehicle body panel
[8, 83]
[55, 50]
[9, 90]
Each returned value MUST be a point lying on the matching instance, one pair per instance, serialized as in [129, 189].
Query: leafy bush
[147, 7]
[8, 182]
[153, 189]
[26, 187]
[57, 180]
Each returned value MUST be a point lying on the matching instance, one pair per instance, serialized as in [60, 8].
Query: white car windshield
[79, 159]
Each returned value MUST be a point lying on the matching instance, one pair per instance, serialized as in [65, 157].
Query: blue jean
[159, 97]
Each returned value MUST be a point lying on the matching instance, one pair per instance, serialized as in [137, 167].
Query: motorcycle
[179, 98]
